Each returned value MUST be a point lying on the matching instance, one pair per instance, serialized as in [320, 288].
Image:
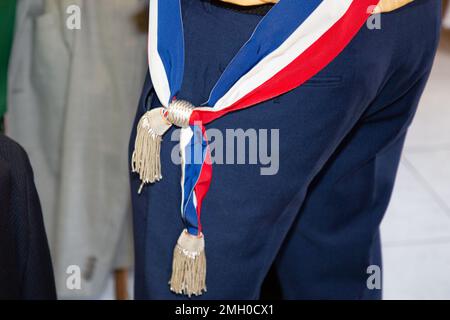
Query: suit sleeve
[38, 281]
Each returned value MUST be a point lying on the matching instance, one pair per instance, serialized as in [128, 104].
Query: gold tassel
[146, 159]
[189, 265]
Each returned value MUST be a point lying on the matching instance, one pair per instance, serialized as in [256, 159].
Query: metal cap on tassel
[189, 265]
[146, 155]
[179, 112]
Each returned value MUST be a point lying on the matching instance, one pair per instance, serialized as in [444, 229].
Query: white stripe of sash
[157, 70]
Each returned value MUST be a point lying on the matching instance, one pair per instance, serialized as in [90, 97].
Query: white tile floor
[416, 230]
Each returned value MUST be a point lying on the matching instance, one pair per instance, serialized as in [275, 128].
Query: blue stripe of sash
[271, 32]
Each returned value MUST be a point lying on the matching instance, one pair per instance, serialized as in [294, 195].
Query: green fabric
[7, 18]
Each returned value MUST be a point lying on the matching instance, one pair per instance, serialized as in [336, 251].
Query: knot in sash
[179, 112]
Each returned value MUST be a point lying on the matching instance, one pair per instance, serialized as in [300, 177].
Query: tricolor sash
[292, 43]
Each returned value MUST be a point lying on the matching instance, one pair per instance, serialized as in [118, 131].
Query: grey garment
[72, 96]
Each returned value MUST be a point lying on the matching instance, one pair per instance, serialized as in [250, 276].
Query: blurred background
[416, 228]
[75, 75]
[69, 96]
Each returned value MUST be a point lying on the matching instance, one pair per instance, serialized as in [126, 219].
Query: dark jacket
[25, 265]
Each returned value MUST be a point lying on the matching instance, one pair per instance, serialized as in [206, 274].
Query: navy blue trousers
[316, 222]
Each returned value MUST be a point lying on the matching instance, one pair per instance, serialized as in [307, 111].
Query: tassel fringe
[189, 265]
[146, 159]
